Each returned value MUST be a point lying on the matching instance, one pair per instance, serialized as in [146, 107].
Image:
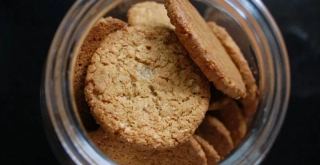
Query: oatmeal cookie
[188, 153]
[143, 87]
[204, 48]
[250, 102]
[101, 30]
[149, 13]
[214, 132]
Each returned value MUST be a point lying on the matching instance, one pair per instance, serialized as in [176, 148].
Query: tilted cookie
[143, 87]
[188, 153]
[214, 132]
[204, 48]
[211, 154]
[149, 14]
[231, 116]
[250, 102]
[101, 30]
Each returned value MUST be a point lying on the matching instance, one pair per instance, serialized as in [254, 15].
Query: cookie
[216, 134]
[149, 14]
[231, 116]
[250, 102]
[188, 153]
[204, 48]
[211, 154]
[101, 30]
[143, 87]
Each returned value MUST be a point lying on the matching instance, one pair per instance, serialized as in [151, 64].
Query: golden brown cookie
[214, 132]
[143, 87]
[204, 48]
[211, 154]
[101, 30]
[149, 14]
[188, 153]
[231, 116]
[250, 102]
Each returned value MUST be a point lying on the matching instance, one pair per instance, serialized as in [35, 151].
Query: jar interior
[248, 22]
[210, 11]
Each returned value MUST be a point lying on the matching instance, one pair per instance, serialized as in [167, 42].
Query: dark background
[26, 31]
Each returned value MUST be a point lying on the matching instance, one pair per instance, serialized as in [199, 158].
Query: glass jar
[248, 22]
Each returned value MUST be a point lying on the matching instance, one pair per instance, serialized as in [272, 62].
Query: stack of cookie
[164, 88]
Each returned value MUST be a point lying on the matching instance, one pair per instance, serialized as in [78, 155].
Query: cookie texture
[216, 134]
[142, 87]
[101, 30]
[250, 102]
[188, 153]
[231, 116]
[149, 14]
[211, 154]
[204, 48]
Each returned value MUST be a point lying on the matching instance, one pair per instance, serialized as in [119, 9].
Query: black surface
[26, 31]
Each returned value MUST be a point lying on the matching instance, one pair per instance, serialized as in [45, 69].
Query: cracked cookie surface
[143, 88]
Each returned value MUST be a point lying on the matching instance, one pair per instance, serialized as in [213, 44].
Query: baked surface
[250, 102]
[142, 87]
[211, 154]
[101, 30]
[188, 153]
[204, 48]
[216, 134]
[231, 116]
[149, 13]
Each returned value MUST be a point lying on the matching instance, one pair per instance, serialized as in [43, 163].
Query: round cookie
[231, 116]
[211, 154]
[250, 102]
[216, 134]
[204, 48]
[188, 153]
[149, 14]
[101, 30]
[142, 87]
